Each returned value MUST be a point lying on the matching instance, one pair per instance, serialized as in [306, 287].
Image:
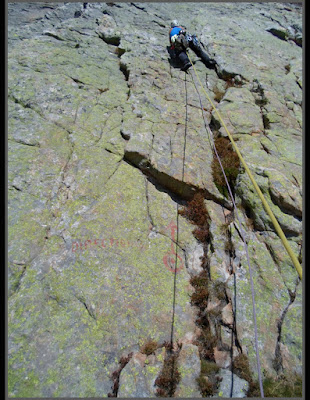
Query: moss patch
[197, 213]
[230, 162]
[169, 376]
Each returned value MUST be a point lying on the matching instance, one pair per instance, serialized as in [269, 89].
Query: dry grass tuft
[149, 347]
[230, 162]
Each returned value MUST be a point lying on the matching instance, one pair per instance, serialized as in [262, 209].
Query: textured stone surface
[139, 375]
[96, 139]
[189, 368]
[231, 385]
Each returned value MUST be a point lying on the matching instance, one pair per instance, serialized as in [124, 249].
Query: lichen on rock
[107, 143]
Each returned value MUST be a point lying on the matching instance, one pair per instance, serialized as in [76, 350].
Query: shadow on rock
[173, 60]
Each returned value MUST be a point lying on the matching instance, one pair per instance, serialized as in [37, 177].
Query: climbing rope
[177, 221]
[176, 254]
[244, 241]
[259, 192]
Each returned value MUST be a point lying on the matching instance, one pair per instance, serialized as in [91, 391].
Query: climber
[180, 41]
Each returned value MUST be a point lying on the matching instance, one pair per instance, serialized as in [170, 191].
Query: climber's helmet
[174, 23]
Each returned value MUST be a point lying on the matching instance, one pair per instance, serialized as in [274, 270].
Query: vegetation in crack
[208, 338]
[169, 377]
[280, 386]
[283, 385]
[103, 86]
[208, 379]
[116, 374]
[149, 347]
[230, 162]
[196, 212]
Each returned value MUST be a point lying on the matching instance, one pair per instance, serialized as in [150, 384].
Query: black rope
[176, 255]
[177, 221]
[234, 328]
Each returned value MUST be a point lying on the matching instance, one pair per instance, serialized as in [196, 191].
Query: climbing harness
[244, 241]
[259, 192]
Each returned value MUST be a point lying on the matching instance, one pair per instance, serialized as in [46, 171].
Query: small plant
[125, 360]
[206, 387]
[206, 340]
[208, 367]
[220, 290]
[283, 386]
[207, 380]
[167, 345]
[200, 280]
[197, 213]
[205, 261]
[200, 296]
[230, 162]
[280, 386]
[241, 367]
[149, 347]
[169, 377]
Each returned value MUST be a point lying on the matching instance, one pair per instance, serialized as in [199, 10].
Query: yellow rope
[259, 192]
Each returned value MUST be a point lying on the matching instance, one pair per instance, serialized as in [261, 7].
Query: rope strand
[177, 220]
[245, 246]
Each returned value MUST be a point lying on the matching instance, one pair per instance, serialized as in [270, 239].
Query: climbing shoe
[186, 66]
[211, 64]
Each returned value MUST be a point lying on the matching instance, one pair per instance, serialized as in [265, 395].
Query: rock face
[107, 141]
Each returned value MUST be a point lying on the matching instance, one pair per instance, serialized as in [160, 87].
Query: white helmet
[174, 23]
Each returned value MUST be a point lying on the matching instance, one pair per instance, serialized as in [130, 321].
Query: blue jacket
[175, 31]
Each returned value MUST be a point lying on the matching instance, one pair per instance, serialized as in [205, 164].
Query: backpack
[178, 38]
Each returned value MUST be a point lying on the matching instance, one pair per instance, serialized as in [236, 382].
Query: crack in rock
[172, 185]
[278, 366]
[116, 374]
